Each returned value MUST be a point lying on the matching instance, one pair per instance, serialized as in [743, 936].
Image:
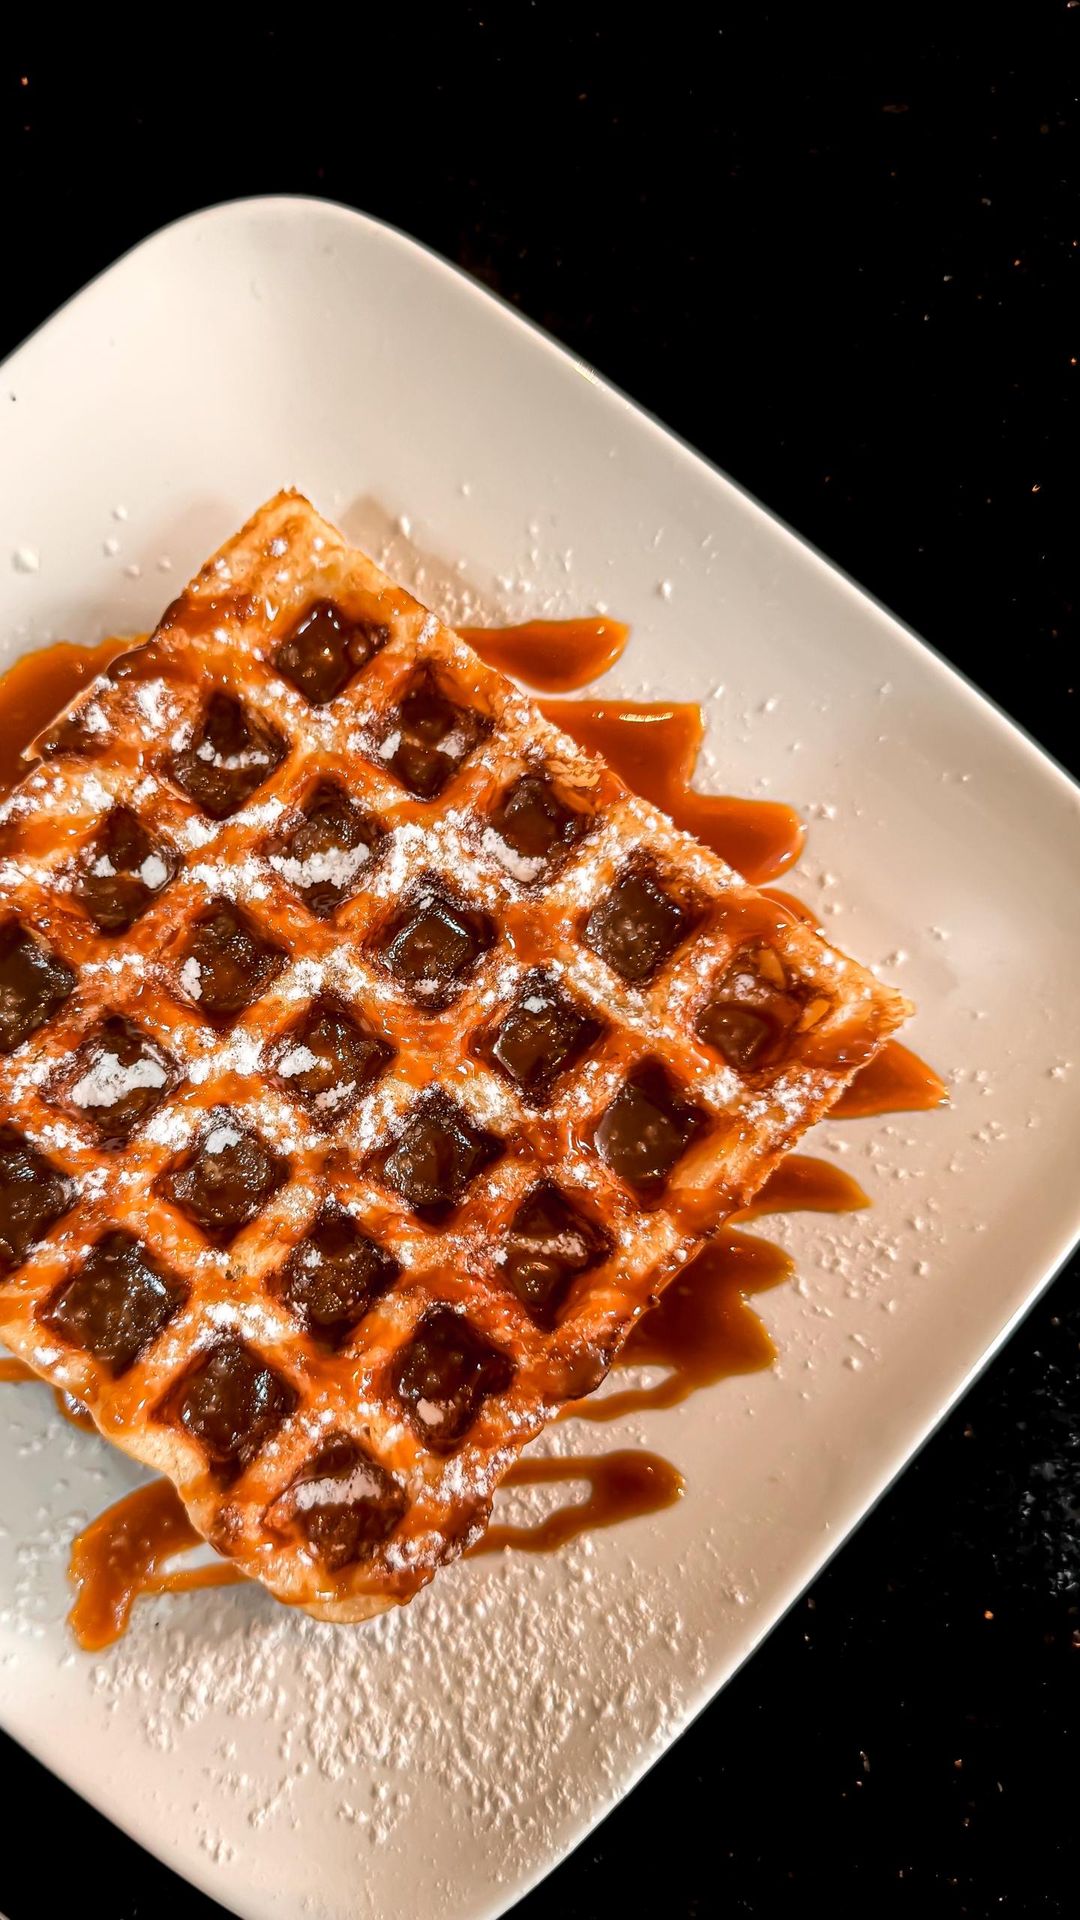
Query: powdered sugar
[170, 1126]
[94, 795]
[109, 1080]
[296, 1060]
[154, 702]
[264, 813]
[197, 832]
[521, 867]
[360, 1484]
[220, 1139]
[239, 880]
[335, 867]
[191, 978]
[488, 1707]
[307, 977]
[240, 1054]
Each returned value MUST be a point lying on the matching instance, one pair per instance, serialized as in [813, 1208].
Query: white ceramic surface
[440, 1761]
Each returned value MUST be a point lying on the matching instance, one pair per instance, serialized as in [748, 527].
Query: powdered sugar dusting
[240, 880]
[483, 1710]
[191, 978]
[296, 1060]
[154, 703]
[220, 1139]
[109, 1080]
[522, 868]
[336, 867]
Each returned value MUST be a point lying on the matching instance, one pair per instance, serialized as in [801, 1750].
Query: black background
[846, 268]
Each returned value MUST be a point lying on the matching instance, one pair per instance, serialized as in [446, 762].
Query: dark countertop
[849, 275]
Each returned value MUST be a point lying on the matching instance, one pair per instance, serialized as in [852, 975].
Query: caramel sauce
[38, 687]
[804, 1184]
[654, 748]
[622, 1485]
[703, 1328]
[12, 1369]
[127, 1551]
[797, 908]
[701, 1331]
[895, 1081]
[557, 656]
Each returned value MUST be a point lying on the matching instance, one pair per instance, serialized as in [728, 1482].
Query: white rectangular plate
[441, 1760]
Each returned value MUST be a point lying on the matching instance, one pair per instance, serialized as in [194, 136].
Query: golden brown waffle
[369, 1060]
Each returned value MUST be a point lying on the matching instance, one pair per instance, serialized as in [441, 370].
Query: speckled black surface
[846, 268]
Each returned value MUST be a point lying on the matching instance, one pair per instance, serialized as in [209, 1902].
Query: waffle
[370, 1058]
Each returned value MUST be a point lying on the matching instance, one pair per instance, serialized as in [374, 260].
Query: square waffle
[370, 1058]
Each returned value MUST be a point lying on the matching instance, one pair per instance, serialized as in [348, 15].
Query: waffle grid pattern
[211, 1080]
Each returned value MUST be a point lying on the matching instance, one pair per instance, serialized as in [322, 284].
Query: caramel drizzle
[38, 687]
[126, 1552]
[654, 747]
[895, 1081]
[702, 1331]
[703, 1328]
[129, 1550]
[73, 1411]
[556, 656]
[622, 1485]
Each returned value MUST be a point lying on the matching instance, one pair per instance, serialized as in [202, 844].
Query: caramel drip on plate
[622, 1484]
[895, 1081]
[556, 656]
[127, 1552]
[38, 687]
[654, 748]
[797, 908]
[73, 1410]
[804, 1184]
[702, 1329]
[12, 1370]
